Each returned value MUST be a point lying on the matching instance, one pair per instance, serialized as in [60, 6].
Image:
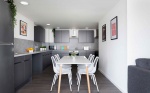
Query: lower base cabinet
[19, 74]
[22, 70]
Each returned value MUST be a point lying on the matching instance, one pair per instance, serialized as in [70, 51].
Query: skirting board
[112, 82]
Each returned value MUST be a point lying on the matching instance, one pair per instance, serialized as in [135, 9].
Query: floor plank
[41, 84]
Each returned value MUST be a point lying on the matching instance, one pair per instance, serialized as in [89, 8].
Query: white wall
[49, 36]
[138, 29]
[30, 27]
[113, 53]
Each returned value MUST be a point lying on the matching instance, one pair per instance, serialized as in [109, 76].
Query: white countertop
[23, 54]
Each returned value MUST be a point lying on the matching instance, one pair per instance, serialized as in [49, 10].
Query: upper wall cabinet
[39, 34]
[61, 36]
[86, 36]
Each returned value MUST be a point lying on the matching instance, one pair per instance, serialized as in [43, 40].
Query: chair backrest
[58, 56]
[92, 58]
[95, 64]
[54, 63]
[89, 56]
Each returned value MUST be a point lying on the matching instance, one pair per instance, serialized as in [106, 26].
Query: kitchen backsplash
[74, 44]
[20, 45]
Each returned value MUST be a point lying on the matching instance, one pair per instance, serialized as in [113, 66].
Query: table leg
[88, 82]
[59, 83]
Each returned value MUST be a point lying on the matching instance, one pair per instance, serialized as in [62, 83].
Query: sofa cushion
[143, 63]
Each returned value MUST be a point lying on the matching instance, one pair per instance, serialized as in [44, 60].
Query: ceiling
[66, 13]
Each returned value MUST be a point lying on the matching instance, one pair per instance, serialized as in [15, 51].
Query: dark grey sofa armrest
[138, 80]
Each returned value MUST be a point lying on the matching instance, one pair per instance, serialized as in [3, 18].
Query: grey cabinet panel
[82, 36]
[28, 69]
[18, 59]
[65, 36]
[90, 36]
[6, 26]
[39, 34]
[19, 73]
[58, 35]
[46, 59]
[86, 36]
[22, 70]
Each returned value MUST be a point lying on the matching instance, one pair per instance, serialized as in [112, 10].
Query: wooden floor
[42, 83]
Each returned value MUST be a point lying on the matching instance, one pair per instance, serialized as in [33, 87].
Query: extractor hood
[73, 33]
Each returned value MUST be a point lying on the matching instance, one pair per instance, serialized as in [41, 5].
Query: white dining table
[75, 60]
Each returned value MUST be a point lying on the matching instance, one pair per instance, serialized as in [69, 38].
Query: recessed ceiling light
[24, 3]
[48, 24]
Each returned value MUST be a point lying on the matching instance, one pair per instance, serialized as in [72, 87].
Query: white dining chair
[90, 56]
[91, 59]
[56, 69]
[91, 72]
[57, 57]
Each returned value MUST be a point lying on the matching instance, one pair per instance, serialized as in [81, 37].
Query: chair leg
[93, 79]
[70, 81]
[96, 83]
[56, 76]
[79, 81]
[53, 82]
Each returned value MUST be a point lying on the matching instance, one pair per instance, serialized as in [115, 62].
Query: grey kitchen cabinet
[82, 36]
[65, 36]
[19, 74]
[61, 36]
[57, 38]
[90, 36]
[28, 67]
[39, 34]
[86, 36]
[46, 59]
[22, 70]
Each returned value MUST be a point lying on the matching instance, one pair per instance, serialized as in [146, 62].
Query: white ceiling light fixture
[48, 24]
[24, 3]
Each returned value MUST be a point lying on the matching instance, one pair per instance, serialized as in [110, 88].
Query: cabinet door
[65, 36]
[57, 38]
[42, 34]
[82, 36]
[90, 36]
[19, 73]
[28, 69]
[44, 61]
[37, 33]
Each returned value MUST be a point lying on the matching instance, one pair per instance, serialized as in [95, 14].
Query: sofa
[139, 76]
